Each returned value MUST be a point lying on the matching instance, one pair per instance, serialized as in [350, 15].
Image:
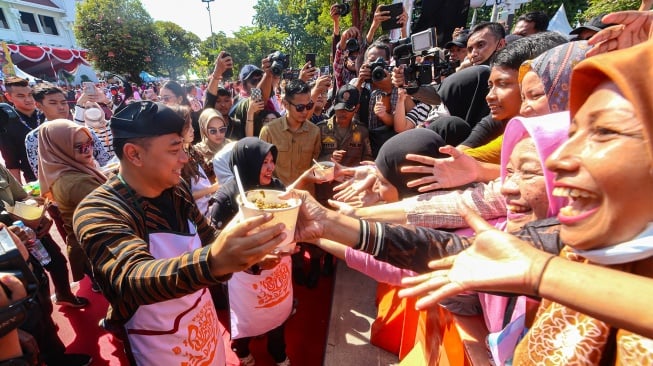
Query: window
[47, 23]
[3, 20]
[28, 23]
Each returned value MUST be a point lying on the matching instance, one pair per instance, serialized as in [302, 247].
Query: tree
[248, 46]
[118, 34]
[572, 8]
[175, 49]
[603, 7]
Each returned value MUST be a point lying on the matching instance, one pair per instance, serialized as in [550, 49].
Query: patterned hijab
[57, 154]
[554, 69]
[206, 147]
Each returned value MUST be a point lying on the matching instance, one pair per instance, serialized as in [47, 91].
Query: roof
[42, 3]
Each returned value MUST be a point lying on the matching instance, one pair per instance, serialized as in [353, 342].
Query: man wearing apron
[153, 252]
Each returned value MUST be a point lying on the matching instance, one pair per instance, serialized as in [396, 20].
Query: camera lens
[378, 74]
[343, 9]
[352, 45]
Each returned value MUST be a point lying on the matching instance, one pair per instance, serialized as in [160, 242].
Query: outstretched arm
[457, 170]
[633, 27]
[498, 261]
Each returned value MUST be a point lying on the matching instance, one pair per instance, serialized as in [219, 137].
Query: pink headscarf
[57, 155]
[548, 133]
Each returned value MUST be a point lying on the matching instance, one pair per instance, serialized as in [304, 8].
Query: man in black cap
[153, 252]
[587, 30]
[458, 49]
[342, 139]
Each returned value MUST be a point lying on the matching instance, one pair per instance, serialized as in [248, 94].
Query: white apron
[183, 331]
[260, 303]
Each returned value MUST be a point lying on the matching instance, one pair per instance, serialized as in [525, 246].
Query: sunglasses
[83, 148]
[302, 107]
[221, 130]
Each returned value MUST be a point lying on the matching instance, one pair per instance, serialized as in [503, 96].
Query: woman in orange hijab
[598, 292]
[67, 173]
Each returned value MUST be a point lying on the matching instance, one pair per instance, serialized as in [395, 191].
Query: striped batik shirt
[112, 224]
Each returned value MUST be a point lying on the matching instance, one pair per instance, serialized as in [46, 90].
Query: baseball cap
[346, 98]
[145, 119]
[460, 41]
[248, 70]
[594, 24]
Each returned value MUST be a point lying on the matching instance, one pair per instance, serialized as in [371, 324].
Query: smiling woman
[598, 291]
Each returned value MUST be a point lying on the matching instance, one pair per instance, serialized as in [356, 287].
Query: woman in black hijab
[256, 161]
[392, 184]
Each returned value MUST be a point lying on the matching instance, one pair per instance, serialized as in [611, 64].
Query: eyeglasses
[221, 130]
[83, 148]
[302, 107]
[166, 98]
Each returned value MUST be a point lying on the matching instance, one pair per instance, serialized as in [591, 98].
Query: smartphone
[89, 87]
[395, 10]
[256, 94]
[229, 73]
[310, 57]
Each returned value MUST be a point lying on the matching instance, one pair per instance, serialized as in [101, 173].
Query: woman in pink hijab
[67, 173]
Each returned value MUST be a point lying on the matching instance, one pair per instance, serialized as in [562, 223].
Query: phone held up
[256, 94]
[89, 87]
[229, 73]
[310, 57]
[395, 10]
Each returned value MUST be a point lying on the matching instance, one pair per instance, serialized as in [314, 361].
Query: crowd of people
[518, 185]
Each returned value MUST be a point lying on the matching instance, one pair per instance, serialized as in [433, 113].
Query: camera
[423, 62]
[12, 262]
[279, 61]
[378, 68]
[343, 9]
[352, 45]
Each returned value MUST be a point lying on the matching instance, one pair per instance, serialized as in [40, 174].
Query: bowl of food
[283, 210]
[324, 170]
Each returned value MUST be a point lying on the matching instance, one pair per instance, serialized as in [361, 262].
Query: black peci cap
[145, 119]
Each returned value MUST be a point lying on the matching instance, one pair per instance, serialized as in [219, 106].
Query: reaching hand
[311, 218]
[497, 261]
[242, 244]
[349, 190]
[633, 27]
[398, 76]
[455, 171]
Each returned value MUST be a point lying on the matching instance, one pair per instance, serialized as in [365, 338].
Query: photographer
[37, 332]
[253, 77]
[463, 93]
[344, 60]
[378, 96]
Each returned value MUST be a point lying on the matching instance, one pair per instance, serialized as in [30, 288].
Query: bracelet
[536, 287]
[249, 120]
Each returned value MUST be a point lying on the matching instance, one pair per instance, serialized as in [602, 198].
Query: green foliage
[119, 35]
[248, 46]
[597, 7]
[572, 8]
[174, 49]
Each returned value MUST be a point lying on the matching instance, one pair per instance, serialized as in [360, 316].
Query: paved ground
[352, 314]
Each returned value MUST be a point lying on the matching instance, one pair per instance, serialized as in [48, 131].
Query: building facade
[39, 22]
